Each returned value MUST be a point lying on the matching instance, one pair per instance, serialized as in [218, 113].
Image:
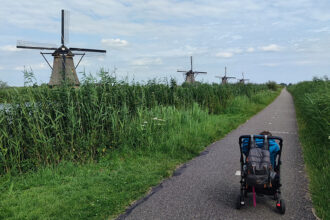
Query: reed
[312, 101]
[144, 139]
[42, 126]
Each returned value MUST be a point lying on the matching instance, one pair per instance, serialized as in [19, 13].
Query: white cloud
[304, 62]
[9, 48]
[147, 61]
[270, 64]
[178, 51]
[320, 30]
[250, 50]
[235, 50]
[227, 53]
[39, 66]
[271, 48]
[114, 43]
[224, 54]
[320, 15]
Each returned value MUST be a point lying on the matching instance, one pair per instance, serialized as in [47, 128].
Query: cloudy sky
[281, 40]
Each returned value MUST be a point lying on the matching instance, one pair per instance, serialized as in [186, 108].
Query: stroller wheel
[280, 205]
[239, 202]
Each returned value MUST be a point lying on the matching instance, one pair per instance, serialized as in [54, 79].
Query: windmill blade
[231, 77]
[218, 77]
[65, 19]
[62, 26]
[182, 71]
[37, 48]
[191, 63]
[65, 24]
[200, 72]
[87, 50]
[33, 45]
[91, 54]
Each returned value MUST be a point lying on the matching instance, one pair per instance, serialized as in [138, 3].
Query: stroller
[258, 174]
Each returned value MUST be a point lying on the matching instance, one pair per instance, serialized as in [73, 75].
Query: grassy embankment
[312, 102]
[88, 153]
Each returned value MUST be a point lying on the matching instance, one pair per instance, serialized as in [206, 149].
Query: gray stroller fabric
[259, 160]
[258, 164]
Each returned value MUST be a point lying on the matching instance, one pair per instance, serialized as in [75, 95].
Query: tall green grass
[42, 126]
[312, 101]
[153, 142]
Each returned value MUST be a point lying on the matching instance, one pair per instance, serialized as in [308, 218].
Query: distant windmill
[190, 74]
[243, 80]
[224, 79]
[63, 68]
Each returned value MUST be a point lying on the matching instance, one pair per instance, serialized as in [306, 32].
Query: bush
[272, 85]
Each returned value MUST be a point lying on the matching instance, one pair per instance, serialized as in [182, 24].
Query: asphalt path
[207, 187]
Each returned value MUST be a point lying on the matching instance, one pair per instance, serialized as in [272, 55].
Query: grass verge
[104, 189]
[312, 103]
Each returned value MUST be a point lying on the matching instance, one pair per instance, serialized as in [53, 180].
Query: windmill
[224, 79]
[243, 80]
[190, 74]
[63, 69]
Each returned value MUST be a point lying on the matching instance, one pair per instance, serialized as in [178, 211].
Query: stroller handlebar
[261, 137]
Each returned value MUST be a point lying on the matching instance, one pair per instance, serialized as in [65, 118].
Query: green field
[88, 153]
[312, 102]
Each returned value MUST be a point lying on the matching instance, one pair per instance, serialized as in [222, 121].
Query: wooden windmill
[243, 80]
[63, 69]
[190, 74]
[224, 79]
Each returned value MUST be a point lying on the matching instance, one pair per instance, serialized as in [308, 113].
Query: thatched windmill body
[63, 69]
[190, 74]
[243, 80]
[224, 79]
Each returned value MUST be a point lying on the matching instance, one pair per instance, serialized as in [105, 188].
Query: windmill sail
[34, 45]
[65, 26]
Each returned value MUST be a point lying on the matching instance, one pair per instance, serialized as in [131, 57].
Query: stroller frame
[275, 190]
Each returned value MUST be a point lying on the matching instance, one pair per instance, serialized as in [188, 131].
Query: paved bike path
[206, 187]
